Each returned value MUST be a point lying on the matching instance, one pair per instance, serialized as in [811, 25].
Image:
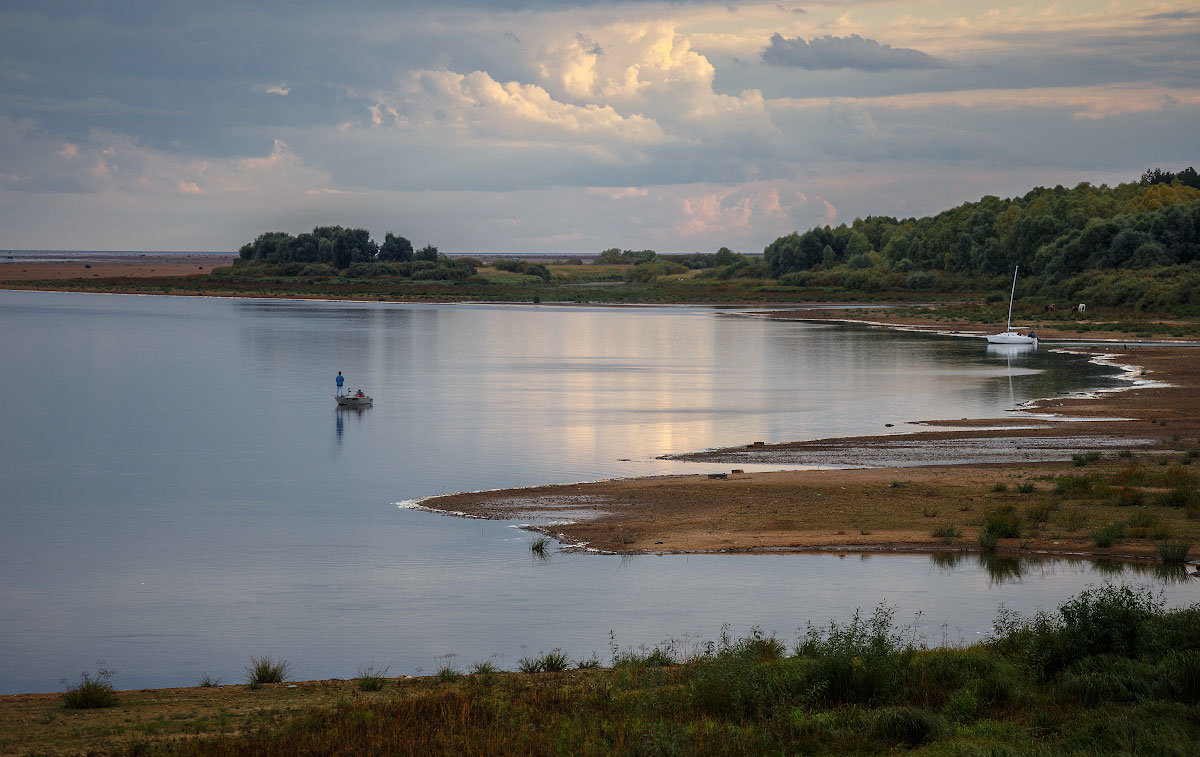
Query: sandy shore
[944, 480]
[100, 265]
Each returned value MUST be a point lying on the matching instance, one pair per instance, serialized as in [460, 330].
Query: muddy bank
[942, 481]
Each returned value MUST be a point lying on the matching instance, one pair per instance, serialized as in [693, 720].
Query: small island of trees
[330, 250]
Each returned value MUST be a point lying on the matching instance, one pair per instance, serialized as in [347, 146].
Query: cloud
[618, 193]
[732, 211]
[283, 90]
[1081, 102]
[110, 163]
[478, 104]
[648, 68]
[828, 53]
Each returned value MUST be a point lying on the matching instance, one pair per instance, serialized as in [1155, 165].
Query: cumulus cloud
[649, 68]
[828, 53]
[477, 103]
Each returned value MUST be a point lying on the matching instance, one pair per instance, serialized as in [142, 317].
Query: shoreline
[707, 513]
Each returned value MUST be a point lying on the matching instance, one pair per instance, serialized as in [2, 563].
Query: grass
[1025, 489]
[988, 540]
[1085, 458]
[371, 679]
[1106, 536]
[1109, 672]
[1174, 552]
[209, 681]
[948, 531]
[485, 668]
[1004, 522]
[538, 545]
[267, 669]
[92, 692]
[1000, 488]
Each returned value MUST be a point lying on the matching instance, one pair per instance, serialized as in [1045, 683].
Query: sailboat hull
[1011, 337]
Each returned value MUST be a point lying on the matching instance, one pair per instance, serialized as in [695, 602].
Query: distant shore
[909, 493]
[49, 266]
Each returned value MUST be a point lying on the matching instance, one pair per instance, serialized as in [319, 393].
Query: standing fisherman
[340, 380]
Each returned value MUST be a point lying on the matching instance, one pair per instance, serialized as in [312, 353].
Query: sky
[568, 125]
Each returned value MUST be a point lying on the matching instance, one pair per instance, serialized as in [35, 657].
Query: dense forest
[1064, 240]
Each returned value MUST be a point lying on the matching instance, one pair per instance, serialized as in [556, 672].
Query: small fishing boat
[353, 399]
[1010, 336]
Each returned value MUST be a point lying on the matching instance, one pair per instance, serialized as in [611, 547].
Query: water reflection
[1001, 570]
[341, 412]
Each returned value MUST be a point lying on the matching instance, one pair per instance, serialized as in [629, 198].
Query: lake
[179, 492]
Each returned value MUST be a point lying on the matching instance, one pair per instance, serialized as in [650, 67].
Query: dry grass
[39, 724]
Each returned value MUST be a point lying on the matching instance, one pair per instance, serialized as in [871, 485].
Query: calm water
[178, 492]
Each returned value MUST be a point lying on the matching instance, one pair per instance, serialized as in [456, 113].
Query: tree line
[1052, 233]
[334, 245]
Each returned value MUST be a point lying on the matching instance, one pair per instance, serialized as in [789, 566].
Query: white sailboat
[1009, 336]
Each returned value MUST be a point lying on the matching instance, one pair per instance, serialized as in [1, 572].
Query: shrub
[1085, 458]
[1000, 488]
[1109, 620]
[1025, 489]
[208, 681]
[267, 669]
[91, 692]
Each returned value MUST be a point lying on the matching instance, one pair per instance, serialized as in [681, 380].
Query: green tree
[428, 252]
[395, 248]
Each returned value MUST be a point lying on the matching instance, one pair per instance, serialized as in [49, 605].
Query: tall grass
[1106, 536]
[371, 678]
[1111, 671]
[1174, 552]
[267, 669]
[92, 692]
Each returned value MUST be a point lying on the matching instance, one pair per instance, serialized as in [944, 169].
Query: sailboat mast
[1011, 296]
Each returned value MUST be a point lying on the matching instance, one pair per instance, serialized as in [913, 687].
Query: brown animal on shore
[1049, 308]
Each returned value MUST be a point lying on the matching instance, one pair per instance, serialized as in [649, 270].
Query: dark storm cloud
[828, 53]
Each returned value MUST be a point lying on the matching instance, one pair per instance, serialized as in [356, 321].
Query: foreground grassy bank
[1110, 672]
